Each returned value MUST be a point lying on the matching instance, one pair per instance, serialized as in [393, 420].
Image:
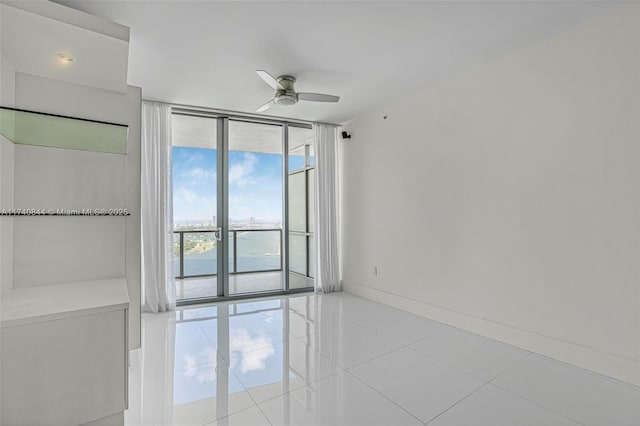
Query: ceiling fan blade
[266, 106]
[269, 79]
[317, 97]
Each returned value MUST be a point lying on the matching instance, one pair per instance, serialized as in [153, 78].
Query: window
[301, 203]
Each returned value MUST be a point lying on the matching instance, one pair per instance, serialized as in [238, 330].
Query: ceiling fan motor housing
[283, 98]
[287, 95]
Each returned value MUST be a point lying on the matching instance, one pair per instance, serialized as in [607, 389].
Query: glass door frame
[222, 207]
[222, 201]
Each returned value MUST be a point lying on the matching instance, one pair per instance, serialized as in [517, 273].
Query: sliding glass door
[255, 205]
[233, 190]
[195, 206]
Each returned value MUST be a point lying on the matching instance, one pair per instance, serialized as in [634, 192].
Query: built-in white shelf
[65, 354]
[57, 131]
[49, 302]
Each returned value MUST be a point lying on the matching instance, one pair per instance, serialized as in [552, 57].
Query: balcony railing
[250, 250]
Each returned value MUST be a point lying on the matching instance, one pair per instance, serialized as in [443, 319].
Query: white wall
[50, 250]
[506, 200]
[53, 250]
[7, 97]
[7, 82]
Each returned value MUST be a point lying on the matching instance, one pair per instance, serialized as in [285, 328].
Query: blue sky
[255, 185]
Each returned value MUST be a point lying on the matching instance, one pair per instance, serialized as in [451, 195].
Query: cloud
[188, 157]
[191, 204]
[240, 172]
[185, 196]
[199, 173]
[255, 186]
[250, 352]
[204, 370]
[273, 317]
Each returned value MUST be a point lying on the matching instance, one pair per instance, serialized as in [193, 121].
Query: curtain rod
[240, 114]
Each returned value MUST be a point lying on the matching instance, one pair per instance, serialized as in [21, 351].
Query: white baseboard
[603, 363]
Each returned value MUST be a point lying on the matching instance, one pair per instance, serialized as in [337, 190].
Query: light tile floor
[342, 360]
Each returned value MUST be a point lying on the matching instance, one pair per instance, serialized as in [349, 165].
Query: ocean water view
[257, 250]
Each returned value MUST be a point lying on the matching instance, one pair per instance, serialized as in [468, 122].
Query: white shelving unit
[69, 286]
[65, 354]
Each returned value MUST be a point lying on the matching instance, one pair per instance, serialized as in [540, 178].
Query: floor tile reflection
[342, 360]
[267, 379]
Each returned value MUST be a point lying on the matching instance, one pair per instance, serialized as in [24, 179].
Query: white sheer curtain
[327, 277]
[158, 289]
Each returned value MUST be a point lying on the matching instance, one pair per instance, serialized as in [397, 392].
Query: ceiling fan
[286, 94]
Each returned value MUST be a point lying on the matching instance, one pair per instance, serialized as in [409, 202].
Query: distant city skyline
[255, 186]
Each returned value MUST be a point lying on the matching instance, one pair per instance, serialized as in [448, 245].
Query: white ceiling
[205, 53]
[32, 34]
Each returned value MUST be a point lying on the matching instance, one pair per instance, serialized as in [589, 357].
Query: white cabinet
[64, 354]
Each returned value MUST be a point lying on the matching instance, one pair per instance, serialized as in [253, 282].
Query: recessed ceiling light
[65, 58]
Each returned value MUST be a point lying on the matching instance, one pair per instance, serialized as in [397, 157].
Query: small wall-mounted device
[345, 135]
